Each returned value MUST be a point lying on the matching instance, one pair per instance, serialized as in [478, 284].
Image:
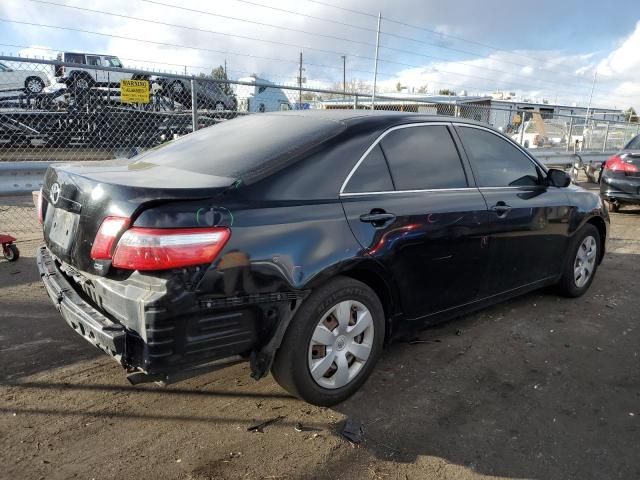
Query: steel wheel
[585, 261]
[82, 83]
[177, 88]
[341, 344]
[35, 85]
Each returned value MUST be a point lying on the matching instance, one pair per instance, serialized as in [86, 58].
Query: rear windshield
[634, 144]
[247, 148]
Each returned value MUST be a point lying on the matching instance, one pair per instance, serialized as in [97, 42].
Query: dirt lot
[539, 387]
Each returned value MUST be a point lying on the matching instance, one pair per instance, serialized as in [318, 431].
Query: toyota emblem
[54, 193]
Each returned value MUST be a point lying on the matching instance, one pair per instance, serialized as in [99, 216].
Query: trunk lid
[77, 198]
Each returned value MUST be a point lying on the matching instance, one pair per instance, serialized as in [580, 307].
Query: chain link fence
[90, 108]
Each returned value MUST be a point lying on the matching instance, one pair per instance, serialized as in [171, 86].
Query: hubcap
[341, 344]
[34, 86]
[585, 261]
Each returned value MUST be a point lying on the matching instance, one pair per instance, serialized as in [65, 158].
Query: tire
[583, 253]
[297, 354]
[33, 85]
[82, 82]
[11, 253]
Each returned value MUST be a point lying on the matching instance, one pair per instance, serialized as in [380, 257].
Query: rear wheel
[332, 344]
[33, 85]
[82, 82]
[11, 253]
[580, 268]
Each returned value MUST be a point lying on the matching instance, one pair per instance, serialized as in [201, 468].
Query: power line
[399, 50]
[409, 65]
[402, 37]
[255, 56]
[429, 30]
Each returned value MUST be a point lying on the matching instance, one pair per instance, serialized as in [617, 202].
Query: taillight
[40, 207]
[162, 249]
[618, 164]
[109, 231]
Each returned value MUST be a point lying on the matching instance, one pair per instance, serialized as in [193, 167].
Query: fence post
[355, 101]
[606, 136]
[522, 117]
[194, 105]
[570, 132]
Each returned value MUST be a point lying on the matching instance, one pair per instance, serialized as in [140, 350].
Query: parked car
[30, 81]
[90, 71]
[208, 93]
[620, 177]
[308, 247]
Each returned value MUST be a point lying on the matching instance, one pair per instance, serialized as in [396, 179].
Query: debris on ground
[353, 431]
[459, 332]
[260, 427]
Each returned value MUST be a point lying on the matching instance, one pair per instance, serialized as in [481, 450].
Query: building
[503, 112]
[471, 107]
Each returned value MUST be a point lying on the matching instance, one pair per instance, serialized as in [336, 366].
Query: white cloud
[538, 74]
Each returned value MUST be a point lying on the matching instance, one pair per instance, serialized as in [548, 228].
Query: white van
[262, 96]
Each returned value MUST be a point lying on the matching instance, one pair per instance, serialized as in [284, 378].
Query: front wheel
[332, 344]
[582, 263]
[11, 252]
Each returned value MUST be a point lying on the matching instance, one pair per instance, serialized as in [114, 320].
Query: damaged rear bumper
[158, 336]
[97, 329]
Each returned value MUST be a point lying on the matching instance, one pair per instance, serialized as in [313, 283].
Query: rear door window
[423, 158]
[496, 162]
[372, 175]
[74, 58]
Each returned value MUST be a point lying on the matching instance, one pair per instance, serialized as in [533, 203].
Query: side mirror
[558, 178]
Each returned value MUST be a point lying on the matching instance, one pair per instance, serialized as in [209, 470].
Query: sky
[539, 50]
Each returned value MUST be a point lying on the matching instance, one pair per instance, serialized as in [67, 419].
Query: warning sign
[134, 91]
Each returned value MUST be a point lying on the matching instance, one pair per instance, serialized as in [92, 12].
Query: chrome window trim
[375, 143]
[429, 190]
[531, 158]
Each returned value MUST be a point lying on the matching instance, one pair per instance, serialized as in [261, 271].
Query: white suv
[92, 74]
[30, 81]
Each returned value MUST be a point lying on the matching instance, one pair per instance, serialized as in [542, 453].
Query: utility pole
[344, 76]
[300, 84]
[586, 118]
[225, 68]
[375, 66]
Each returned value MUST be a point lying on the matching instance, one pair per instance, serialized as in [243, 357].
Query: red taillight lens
[40, 207]
[162, 249]
[618, 164]
[108, 233]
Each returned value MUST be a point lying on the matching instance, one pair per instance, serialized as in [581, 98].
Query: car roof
[376, 116]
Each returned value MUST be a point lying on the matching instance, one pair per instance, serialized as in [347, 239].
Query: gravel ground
[538, 387]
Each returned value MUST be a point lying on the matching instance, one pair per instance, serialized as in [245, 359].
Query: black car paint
[621, 187]
[289, 235]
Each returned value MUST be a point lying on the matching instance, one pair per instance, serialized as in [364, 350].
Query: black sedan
[620, 178]
[303, 241]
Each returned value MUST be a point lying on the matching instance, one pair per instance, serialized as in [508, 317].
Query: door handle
[377, 219]
[501, 209]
